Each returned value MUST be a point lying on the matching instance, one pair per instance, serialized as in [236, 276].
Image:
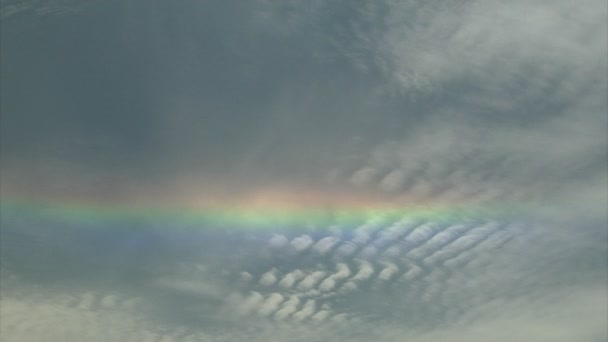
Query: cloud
[325, 245]
[278, 240]
[269, 278]
[346, 250]
[271, 304]
[250, 303]
[94, 316]
[472, 105]
[291, 278]
[321, 315]
[365, 271]
[289, 307]
[302, 243]
[330, 283]
[388, 272]
[308, 310]
[572, 317]
[311, 280]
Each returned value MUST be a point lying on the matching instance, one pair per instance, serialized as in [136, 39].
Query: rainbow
[264, 211]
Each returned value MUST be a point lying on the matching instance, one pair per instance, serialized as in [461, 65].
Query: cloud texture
[407, 104]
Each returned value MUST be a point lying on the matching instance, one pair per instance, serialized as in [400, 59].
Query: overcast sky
[311, 103]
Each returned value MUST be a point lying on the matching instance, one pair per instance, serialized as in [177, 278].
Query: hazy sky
[490, 115]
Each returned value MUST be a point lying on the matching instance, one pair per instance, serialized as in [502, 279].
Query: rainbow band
[236, 218]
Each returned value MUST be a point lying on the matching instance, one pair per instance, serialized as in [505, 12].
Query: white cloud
[361, 236]
[291, 278]
[330, 283]
[413, 272]
[388, 272]
[365, 271]
[321, 315]
[311, 280]
[251, 303]
[308, 310]
[421, 233]
[269, 278]
[246, 277]
[271, 304]
[346, 250]
[289, 307]
[325, 245]
[278, 240]
[302, 243]
[464, 242]
[347, 287]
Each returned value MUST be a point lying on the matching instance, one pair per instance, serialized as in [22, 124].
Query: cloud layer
[451, 104]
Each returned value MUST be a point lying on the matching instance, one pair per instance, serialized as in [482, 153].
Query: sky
[303, 170]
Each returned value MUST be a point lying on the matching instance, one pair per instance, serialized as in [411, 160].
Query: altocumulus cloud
[404, 103]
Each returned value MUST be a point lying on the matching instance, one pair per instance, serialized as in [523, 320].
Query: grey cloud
[453, 104]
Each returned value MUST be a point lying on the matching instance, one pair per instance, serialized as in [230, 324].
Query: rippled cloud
[304, 171]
